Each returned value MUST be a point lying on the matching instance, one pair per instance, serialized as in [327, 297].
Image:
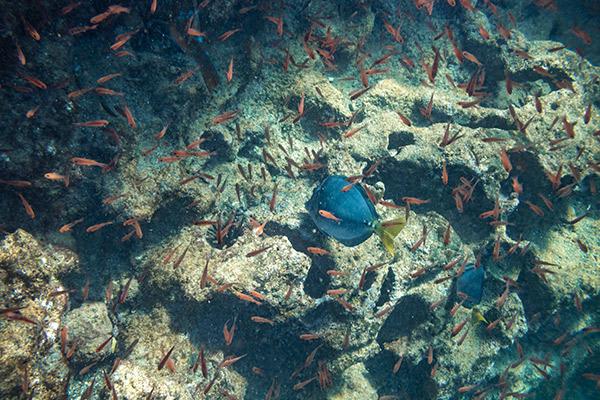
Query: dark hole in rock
[400, 139]
[252, 143]
[401, 384]
[276, 349]
[535, 295]
[386, 288]
[172, 215]
[236, 230]
[302, 237]
[420, 178]
[215, 142]
[409, 312]
[324, 314]
[317, 281]
[532, 176]
[369, 280]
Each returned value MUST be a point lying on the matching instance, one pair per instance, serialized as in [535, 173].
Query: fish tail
[478, 316]
[388, 230]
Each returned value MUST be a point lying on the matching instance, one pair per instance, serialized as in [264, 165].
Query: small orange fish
[129, 117]
[277, 21]
[261, 320]
[328, 215]
[31, 113]
[225, 117]
[229, 361]
[86, 162]
[100, 17]
[166, 357]
[70, 7]
[16, 183]
[505, 161]
[26, 206]
[76, 93]
[587, 116]
[124, 53]
[504, 32]
[31, 31]
[257, 227]
[471, 58]
[98, 123]
[336, 292]
[517, 187]
[317, 251]
[120, 43]
[444, 173]
[228, 34]
[184, 77]
[81, 29]
[97, 227]
[258, 251]
[195, 32]
[108, 77]
[538, 104]
[581, 34]
[20, 54]
[153, 6]
[228, 333]
[301, 105]
[67, 227]
[404, 120]
[162, 132]
[107, 92]
[536, 210]
[414, 200]
[246, 297]
[53, 176]
[230, 70]
[35, 82]
[484, 33]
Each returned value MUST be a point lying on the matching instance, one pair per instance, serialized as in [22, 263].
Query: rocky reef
[156, 161]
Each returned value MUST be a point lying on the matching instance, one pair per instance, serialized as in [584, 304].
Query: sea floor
[156, 158]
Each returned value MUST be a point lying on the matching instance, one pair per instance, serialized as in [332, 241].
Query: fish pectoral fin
[387, 232]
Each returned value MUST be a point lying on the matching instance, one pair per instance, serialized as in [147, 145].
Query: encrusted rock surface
[222, 259]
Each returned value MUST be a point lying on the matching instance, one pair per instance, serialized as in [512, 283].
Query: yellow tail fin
[388, 230]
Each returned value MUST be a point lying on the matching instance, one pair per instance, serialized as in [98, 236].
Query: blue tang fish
[349, 217]
[471, 284]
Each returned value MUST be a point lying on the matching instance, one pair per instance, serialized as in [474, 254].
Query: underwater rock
[355, 385]
[89, 326]
[271, 272]
[318, 88]
[30, 354]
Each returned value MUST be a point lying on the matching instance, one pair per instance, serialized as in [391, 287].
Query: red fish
[98, 123]
[228, 34]
[129, 116]
[484, 33]
[329, 215]
[277, 21]
[225, 117]
[317, 251]
[87, 162]
[27, 206]
[230, 70]
[97, 227]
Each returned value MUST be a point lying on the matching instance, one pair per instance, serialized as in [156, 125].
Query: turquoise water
[157, 157]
